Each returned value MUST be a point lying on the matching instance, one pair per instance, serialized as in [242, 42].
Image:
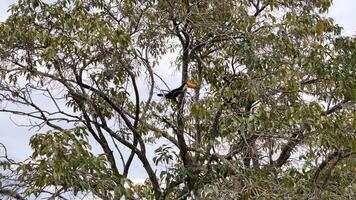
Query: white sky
[16, 138]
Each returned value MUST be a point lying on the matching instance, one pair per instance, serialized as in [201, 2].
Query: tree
[273, 116]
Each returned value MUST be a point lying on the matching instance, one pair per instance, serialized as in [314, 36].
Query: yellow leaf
[319, 28]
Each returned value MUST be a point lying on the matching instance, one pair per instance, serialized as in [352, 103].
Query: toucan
[175, 92]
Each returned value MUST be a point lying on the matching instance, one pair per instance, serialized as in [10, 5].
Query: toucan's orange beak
[191, 85]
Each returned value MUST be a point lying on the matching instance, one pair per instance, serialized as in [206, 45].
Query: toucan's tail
[160, 95]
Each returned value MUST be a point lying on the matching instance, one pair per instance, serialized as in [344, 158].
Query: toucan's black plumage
[173, 94]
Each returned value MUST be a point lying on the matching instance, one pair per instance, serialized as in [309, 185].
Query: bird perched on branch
[173, 94]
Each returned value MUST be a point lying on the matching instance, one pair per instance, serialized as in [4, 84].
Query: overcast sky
[16, 138]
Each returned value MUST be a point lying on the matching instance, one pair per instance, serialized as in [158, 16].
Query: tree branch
[11, 193]
[336, 156]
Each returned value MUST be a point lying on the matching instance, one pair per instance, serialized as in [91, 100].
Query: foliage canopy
[273, 116]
